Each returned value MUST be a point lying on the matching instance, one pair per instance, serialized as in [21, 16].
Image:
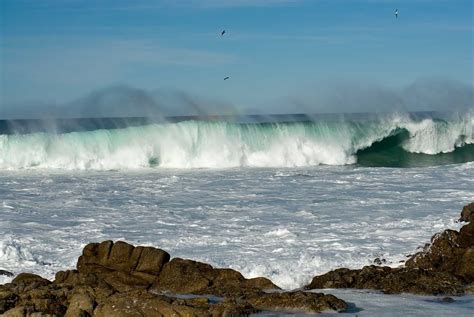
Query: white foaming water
[431, 137]
[198, 144]
[284, 224]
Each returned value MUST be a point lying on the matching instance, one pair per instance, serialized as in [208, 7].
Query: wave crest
[201, 144]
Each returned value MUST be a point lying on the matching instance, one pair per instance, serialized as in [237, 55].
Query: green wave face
[390, 153]
[395, 141]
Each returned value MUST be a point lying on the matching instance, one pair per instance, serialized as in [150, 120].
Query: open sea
[285, 197]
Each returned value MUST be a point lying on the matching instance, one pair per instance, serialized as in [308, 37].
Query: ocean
[285, 197]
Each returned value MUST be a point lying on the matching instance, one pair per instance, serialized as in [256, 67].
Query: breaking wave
[397, 140]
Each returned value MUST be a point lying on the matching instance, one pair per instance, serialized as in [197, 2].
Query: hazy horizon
[116, 58]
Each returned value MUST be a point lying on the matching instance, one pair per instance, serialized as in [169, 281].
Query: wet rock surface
[119, 279]
[6, 273]
[467, 213]
[445, 266]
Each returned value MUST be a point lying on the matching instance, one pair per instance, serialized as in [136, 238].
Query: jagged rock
[73, 277]
[441, 254]
[81, 304]
[119, 264]
[6, 273]
[8, 299]
[467, 213]
[298, 302]
[120, 256]
[186, 276]
[390, 280]
[27, 281]
[465, 265]
[451, 252]
[20, 311]
[466, 236]
[445, 266]
[26, 278]
[118, 279]
[232, 307]
[35, 300]
[140, 303]
[136, 304]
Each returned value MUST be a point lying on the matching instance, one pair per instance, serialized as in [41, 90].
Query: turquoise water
[390, 140]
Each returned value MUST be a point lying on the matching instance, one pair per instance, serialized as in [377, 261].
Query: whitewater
[284, 200]
[221, 144]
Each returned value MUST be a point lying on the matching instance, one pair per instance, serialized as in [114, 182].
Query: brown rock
[73, 277]
[466, 235]
[146, 304]
[29, 278]
[150, 278]
[94, 257]
[27, 281]
[152, 260]
[440, 255]
[81, 304]
[138, 303]
[190, 277]
[449, 252]
[20, 311]
[183, 277]
[119, 257]
[298, 302]
[465, 266]
[123, 282]
[42, 299]
[232, 307]
[467, 213]
[85, 267]
[107, 256]
[90, 250]
[260, 283]
[102, 292]
[391, 281]
[99, 288]
[102, 253]
[8, 299]
[114, 279]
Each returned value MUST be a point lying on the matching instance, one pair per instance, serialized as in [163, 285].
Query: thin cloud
[77, 62]
[146, 4]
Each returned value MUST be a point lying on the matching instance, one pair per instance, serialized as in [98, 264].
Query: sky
[55, 52]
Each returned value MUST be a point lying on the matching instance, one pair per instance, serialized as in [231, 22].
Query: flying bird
[226, 78]
[396, 13]
[223, 32]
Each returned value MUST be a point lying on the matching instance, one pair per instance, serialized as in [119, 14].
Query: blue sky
[55, 51]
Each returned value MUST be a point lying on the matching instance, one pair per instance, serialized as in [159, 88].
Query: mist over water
[352, 97]
[330, 97]
[123, 127]
[122, 102]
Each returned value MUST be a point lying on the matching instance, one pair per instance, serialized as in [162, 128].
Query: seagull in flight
[223, 32]
[396, 13]
[226, 78]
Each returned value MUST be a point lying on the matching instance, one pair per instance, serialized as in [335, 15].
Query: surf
[386, 141]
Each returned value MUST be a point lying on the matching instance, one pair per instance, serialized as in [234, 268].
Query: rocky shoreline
[444, 267]
[119, 279]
